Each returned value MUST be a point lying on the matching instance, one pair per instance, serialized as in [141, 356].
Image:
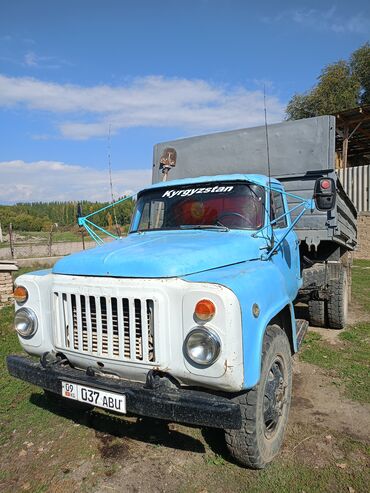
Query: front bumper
[178, 405]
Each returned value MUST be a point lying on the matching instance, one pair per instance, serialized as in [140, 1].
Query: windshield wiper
[205, 226]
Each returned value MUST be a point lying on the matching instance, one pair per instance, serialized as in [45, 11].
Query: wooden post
[83, 239]
[11, 245]
[50, 241]
[1, 234]
[345, 145]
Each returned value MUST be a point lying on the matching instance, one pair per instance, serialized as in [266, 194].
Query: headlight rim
[32, 316]
[214, 335]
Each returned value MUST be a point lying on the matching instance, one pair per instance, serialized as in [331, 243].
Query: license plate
[95, 397]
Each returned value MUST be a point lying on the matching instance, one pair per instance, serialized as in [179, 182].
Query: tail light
[325, 184]
[324, 194]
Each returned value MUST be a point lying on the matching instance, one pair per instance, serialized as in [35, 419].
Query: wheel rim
[275, 397]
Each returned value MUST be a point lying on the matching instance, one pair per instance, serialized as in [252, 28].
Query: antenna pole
[268, 161]
[267, 136]
[111, 182]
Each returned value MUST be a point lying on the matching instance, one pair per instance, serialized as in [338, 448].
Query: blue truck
[191, 318]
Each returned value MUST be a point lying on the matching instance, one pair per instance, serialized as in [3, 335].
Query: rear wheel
[317, 313]
[339, 297]
[265, 408]
[349, 282]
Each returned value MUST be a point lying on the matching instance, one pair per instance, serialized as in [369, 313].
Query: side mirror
[324, 194]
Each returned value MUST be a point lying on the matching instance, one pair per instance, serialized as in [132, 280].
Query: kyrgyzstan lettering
[191, 191]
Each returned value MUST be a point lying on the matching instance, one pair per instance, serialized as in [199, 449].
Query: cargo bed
[300, 152]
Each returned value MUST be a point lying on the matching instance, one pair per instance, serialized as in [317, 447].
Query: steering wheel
[247, 220]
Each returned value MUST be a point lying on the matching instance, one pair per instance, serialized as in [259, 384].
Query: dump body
[300, 152]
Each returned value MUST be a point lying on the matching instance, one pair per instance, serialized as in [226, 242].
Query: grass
[349, 360]
[361, 283]
[310, 470]
[31, 268]
[41, 449]
[30, 434]
[40, 445]
[13, 405]
[286, 474]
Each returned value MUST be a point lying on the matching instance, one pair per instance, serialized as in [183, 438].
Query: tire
[260, 438]
[339, 297]
[349, 279]
[67, 405]
[347, 261]
[314, 276]
[317, 313]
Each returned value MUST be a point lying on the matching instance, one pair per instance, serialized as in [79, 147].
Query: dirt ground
[317, 406]
[326, 448]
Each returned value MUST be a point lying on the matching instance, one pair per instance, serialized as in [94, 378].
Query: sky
[74, 72]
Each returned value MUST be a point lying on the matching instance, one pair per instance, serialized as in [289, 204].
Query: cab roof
[262, 180]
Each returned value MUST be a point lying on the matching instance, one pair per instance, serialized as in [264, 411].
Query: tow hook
[157, 380]
[49, 358]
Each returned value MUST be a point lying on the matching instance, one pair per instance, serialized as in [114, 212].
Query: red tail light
[325, 184]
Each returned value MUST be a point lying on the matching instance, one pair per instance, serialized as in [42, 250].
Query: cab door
[287, 255]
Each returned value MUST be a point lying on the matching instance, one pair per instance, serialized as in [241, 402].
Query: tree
[41, 215]
[337, 89]
[341, 85]
[360, 66]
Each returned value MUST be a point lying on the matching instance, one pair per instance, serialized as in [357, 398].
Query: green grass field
[361, 283]
[350, 358]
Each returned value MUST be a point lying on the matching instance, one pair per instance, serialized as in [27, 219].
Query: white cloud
[152, 101]
[324, 20]
[51, 180]
[33, 60]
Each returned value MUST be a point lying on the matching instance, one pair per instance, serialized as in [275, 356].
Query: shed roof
[355, 123]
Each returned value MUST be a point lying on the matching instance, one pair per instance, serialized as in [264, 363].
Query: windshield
[207, 205]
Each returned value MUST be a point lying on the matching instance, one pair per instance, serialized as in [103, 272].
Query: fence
[37, 250]
[356, 182]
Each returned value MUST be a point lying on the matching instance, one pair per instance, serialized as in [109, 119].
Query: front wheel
[265, 408]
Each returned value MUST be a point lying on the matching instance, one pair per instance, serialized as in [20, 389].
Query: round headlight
[25, 322]
[202, 346]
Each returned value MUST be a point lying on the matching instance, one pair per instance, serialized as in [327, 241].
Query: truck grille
[117, 328]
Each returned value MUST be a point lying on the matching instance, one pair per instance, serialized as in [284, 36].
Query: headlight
[25, 322]
[202, 346]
